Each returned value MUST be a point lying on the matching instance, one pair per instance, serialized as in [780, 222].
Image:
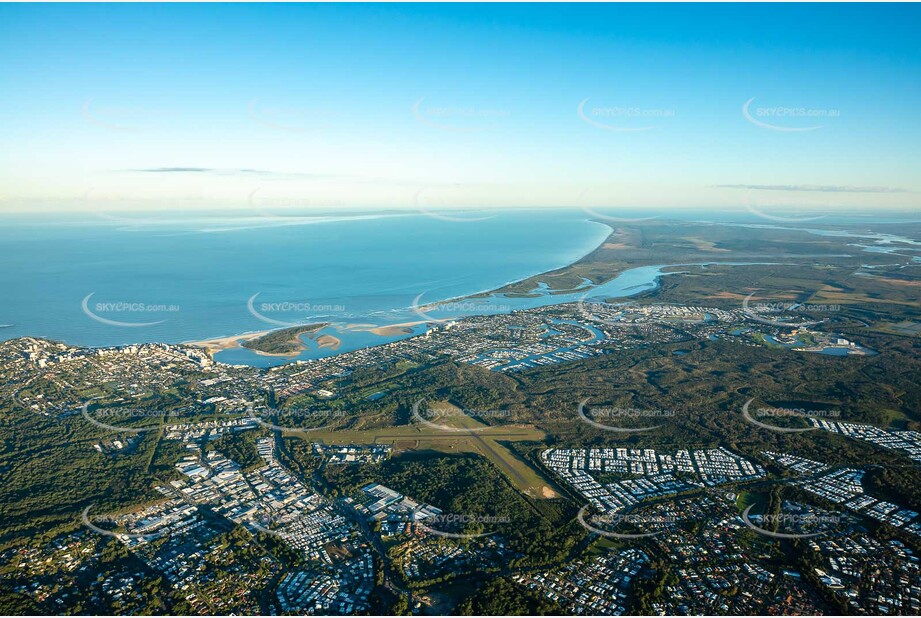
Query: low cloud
[173, 170]
[817, 188]
[241, 171]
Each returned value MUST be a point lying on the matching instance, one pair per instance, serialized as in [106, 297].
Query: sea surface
[193, 278]
[104, 280]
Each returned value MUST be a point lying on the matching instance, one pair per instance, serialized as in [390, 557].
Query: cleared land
[486, 441]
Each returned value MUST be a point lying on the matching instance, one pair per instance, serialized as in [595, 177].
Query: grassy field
[485, 440]
[905, 328]
[748, 498]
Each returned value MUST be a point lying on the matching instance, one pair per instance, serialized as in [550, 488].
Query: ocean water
[629, 283]
[101, 281]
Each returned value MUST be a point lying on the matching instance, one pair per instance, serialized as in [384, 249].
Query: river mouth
[453, 271]
[414, 320]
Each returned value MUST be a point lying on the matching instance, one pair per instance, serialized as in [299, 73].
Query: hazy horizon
[145, 107]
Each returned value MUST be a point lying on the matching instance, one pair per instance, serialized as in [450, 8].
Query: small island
[286, 341]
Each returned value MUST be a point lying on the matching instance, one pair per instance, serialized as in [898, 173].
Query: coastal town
[658, 473]
[54, 378]
[262, 538]
[598, 586]
[435, 309]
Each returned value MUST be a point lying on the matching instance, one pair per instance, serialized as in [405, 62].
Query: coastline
[231, 342]
[546, 273]
[325, 341]
[487, 292]
[228, 342]
[614, 255]
[384, 330]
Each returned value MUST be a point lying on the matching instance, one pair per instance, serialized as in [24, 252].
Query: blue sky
[137, 106]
